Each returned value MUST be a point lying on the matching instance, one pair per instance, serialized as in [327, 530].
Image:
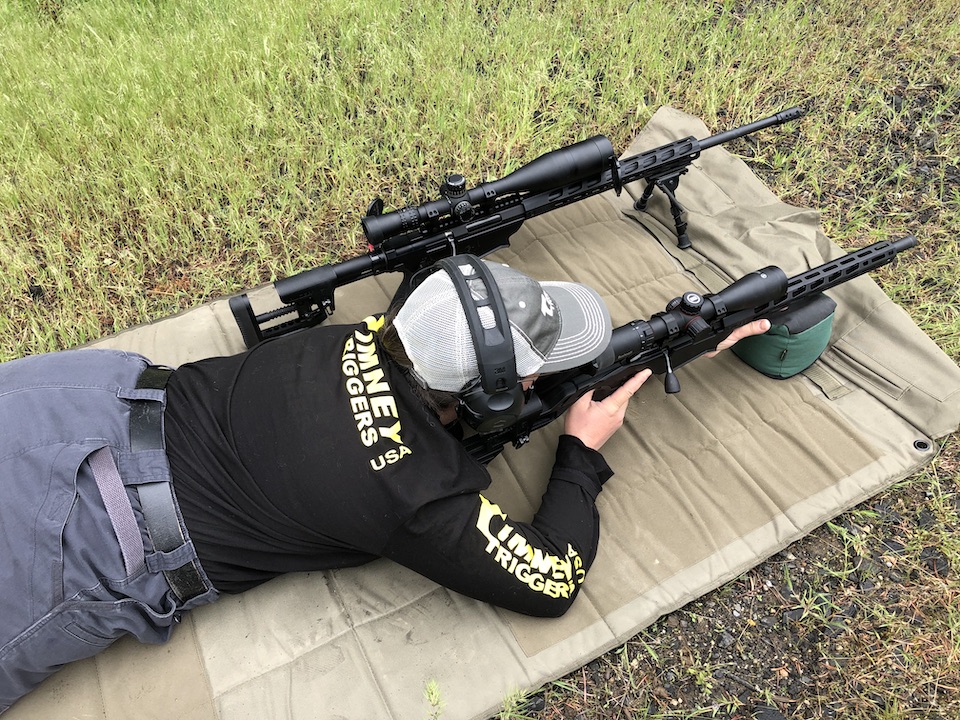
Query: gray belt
[156, 498]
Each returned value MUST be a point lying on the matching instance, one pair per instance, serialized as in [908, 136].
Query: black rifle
[691, 325]
[482, 219]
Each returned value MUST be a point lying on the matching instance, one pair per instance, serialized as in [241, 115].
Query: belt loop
[146, 416]
[157, 501]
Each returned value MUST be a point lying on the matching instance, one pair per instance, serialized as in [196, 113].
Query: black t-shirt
[312, 451]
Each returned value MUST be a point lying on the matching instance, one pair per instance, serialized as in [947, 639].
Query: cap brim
[585, 326]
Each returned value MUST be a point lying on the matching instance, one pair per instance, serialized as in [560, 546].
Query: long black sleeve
[309, 453]
[468, 544]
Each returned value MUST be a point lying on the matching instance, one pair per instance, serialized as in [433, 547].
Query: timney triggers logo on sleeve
[554, 576]
[372, 402]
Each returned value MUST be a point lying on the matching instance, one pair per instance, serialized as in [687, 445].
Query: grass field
[154, 155]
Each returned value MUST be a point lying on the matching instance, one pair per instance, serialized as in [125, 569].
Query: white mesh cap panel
[432, 326]
[562, 319]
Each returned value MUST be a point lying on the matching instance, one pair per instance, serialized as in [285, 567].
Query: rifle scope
[751, 291]
[586, 159]
[688, 312]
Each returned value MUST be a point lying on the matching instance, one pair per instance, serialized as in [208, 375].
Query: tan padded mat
[708, 483]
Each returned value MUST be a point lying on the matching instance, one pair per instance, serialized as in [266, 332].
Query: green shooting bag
[795, 340]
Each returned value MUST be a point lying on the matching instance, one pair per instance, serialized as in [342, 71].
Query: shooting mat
[708, 483]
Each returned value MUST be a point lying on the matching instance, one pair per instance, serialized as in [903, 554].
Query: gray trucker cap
[555, 326]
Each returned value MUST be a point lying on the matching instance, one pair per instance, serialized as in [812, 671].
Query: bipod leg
[677, 210]
[641, 204]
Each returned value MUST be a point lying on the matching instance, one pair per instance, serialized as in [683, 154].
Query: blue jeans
[68, 586]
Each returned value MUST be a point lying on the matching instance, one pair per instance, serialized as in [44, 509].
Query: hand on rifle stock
[595, 422]
[757, 327]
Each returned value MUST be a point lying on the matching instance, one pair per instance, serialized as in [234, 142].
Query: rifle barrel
[728, 135]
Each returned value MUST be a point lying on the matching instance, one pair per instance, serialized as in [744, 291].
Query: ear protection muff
[495, 400]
